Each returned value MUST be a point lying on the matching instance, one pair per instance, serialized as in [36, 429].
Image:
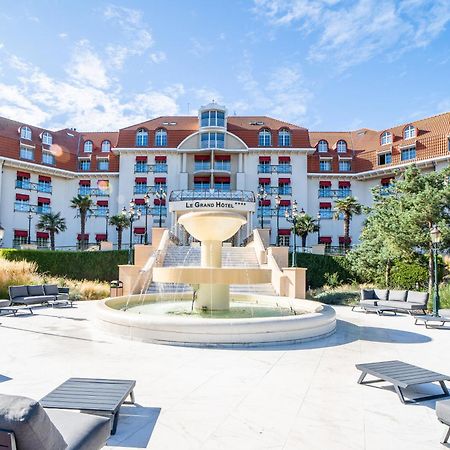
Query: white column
[240, 162]
[183, 162]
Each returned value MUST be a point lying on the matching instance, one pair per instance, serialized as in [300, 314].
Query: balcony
[39, 187]
[211, 194]
[93, 192]
[334, 193]
[153, 210]
[274, 168]
[278, 190]
[146, 189]
[146, 168]
[202, 166]
[222, 166]
[26, 207]
[326, 214]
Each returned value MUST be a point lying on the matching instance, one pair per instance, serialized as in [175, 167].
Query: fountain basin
[211, 275]
[314, 320]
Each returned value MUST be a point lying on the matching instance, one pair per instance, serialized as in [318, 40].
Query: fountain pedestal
[211, 228]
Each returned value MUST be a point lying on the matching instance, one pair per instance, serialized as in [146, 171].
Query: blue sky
[322, 64]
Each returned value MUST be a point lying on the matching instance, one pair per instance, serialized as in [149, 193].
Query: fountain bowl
[313, 320]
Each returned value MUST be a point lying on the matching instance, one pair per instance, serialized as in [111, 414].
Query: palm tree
[53, 223]
[84, 205]
[347, 206]
[304, 224]
[121, 222]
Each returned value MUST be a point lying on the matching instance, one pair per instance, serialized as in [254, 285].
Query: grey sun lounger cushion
[443, 414]
[81, 431]
[420, 298]
[397, 296]
[374, 294]
[30, 423]
[4, 303]
[35, 291]
[51, 289]
[17, 292]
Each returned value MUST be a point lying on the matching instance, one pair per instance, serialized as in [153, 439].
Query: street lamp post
[436, 237]
[132, 215]
[318, 227]
[292, 216]
[262, 195]
[161, 196]
[277, 207]
[106, 224]
[147, 202]
[30, 216]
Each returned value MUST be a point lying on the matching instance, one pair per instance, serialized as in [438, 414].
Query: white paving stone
[290, 397]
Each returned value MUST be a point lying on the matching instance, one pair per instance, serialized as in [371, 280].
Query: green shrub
[322, 267]
[444, 295]
[409, 276]
[341, 295]
[76, 265]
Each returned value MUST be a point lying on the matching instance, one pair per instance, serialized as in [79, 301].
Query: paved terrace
[292, 397]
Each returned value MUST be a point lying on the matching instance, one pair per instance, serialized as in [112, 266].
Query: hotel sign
[216, 205]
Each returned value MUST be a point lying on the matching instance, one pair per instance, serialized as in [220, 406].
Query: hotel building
[212, 156]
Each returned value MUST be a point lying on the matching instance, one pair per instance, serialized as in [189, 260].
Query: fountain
[213, 317]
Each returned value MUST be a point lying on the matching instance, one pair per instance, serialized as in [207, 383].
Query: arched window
[386, 138]
[409, 132]
[284, 138]
[25, 133]
[47, 138]
[161, 137]
[142, 138]
[106, 146]
[265, 138]
[322, 146]
[341, 146]
[88, 147]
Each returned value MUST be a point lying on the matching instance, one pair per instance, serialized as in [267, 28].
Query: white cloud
[63, 35]
[138, 38]
[354, 31]
[199, 49]
[282, 94]
[87, 99]
[86, 67]
[158, 57]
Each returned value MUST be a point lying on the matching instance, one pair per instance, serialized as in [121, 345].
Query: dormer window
[409, 132]
[386, 138]
[213, 119]
[284, 138]
[106, 146]
[341, 146]
[322, 146]
[142, 138]
[47, 138]
[161, 137]
[25, 133]
[88, 147]
[265, 138]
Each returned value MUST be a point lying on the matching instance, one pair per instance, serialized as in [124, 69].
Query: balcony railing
[93, 192]
[39, 187]
[26, 207]
[202, 166]
[274, 168]
[224, 166]
[152, 210]
[331, 193]
[211, 194]
[144, 188]
[281, 190]
[155, 168]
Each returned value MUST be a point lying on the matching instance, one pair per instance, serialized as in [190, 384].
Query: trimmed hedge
[320, 265]
[411, 276]
[100, 266]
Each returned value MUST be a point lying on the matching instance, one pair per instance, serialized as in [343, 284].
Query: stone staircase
[231, 257]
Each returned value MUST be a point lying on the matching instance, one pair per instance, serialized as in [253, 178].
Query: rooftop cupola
[212, 115]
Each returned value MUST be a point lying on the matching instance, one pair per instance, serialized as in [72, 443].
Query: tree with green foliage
[398, 224]
[84, 205]
[121, 222]
[53, 224]
[304, 224]
[348, 207]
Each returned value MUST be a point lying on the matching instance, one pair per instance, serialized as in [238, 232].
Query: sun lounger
[443, 414]
[26, 425]
[402, 375]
